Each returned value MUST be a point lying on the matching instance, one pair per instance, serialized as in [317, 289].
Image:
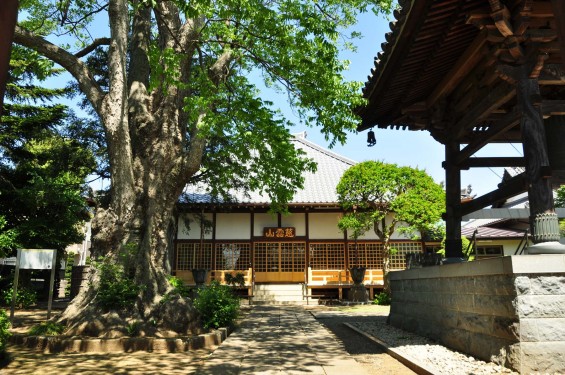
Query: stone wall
[509, 310]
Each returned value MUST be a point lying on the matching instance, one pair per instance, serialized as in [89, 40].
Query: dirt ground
[27, 361]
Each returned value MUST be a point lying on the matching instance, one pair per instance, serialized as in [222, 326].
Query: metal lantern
[371, 140]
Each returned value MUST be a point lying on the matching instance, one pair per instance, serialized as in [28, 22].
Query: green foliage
[42, 170]
[435, 232]
[383, 299]
[7, 238]
[133, 329]
[560, 198]
[467, 250]
[562, 227]
[235, 280]
[377, 189]
[69, 273]
[47, 329]
[217, 305]
[286, 45]
[4, 331]
[178, 289]
[117, 289]
[25, 297]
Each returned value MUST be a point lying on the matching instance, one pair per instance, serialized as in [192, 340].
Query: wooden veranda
[474, 72]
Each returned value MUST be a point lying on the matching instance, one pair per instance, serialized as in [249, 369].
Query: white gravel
[435, 357]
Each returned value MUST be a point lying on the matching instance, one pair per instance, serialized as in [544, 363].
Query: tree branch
[71, 63]
[97, 43]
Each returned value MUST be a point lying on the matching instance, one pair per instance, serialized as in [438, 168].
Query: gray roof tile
[319, 187]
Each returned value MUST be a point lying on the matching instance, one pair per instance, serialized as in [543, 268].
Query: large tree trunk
[144, 228]
[153, 152]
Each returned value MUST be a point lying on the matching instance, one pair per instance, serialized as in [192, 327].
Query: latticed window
[370, 254]
[191, 255]
[233, 256]
[279, 256]
[327, 256]
[292, 257]
[398, 260]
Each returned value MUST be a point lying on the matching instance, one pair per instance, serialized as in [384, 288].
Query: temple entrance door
[279, 262]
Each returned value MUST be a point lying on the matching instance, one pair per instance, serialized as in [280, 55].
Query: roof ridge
[298, 138]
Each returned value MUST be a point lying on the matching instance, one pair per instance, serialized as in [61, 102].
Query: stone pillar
[544, 224]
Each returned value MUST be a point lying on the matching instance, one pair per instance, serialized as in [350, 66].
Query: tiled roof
[319, 187]
[492, 233]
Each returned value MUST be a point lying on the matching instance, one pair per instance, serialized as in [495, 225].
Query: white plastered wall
[233, 226]
[262, 221]
[323, 226]
[298, 221]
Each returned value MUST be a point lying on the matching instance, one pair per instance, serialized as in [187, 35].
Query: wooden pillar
[453, 243]
[543, 220]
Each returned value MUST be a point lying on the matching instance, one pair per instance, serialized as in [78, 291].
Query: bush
[237, 280]
[178, 289]
[217, 305]
[117, 289]
[383, 299]
[47, 329]
[25, 297]
[133, 329]
[4, 333]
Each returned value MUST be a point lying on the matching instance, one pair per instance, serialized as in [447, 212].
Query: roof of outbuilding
[492, 233]
[319, 187]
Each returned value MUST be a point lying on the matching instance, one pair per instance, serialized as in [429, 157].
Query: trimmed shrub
[217, 305]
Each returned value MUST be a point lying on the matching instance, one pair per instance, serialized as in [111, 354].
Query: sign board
[279, 232]
[36, 259]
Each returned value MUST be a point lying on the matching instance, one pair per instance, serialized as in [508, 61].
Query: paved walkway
[280, 340]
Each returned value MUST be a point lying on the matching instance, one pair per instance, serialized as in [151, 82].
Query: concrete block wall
[508, 310]
[540, 306]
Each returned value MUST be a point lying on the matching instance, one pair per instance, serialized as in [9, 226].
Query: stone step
[278, 294]
[279, 287]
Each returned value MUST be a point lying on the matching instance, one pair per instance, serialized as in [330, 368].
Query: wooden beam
[507, 122]
[552, 74]
[517, 185]
[553, 107]
[559, 16]
[496, 97]
[464, 64]
[501, 19]
[491, 162]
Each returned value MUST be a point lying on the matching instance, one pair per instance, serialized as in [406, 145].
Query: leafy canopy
[407, 197]
[219, 55]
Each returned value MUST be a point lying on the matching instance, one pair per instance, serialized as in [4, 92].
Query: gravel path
[438, 359]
